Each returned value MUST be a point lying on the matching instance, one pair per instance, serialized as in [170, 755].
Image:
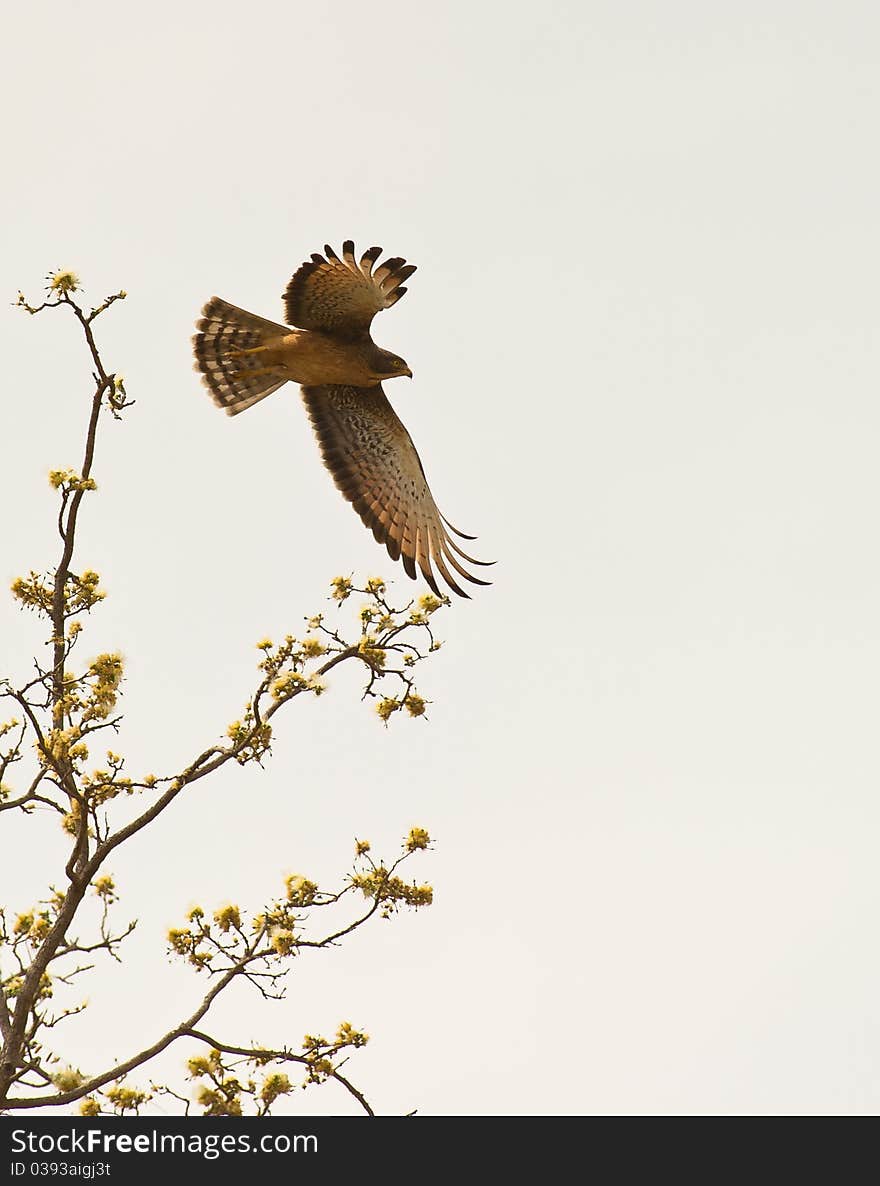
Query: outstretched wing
[342, 296]
[375, 464]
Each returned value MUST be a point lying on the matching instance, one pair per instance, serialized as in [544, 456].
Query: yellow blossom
[288, 684]
[33, 592]
[180, 940]
[218, 1103]
[71, 479]
[64, 280]
[228, 917]
[104, 886]
[70, 822]
[386, 707]
[40, 929]
[300, 891]
[417, 838]
[274, 1085]
[376, 883]
[126, 1099]
[347, 1035]
[282, 940]
[67, 1080]
[373, 654]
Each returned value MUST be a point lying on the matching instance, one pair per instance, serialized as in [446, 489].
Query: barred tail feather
[236, 381]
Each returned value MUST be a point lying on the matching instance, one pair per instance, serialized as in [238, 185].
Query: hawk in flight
[330, 303]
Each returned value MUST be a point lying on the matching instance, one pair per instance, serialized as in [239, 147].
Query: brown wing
[375, 464]
[342, 296]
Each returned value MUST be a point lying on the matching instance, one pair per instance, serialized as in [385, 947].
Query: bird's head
[389, 366]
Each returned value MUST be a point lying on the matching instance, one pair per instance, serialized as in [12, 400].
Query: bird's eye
[399, 364]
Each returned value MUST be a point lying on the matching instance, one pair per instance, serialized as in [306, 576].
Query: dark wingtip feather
[432, 584]
[409, 564]
[404, 273]
[460, 534]
[470, 559]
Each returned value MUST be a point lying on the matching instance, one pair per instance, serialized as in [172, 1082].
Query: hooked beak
[408, 372]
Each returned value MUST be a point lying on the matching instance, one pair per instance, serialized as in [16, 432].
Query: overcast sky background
[643, 339]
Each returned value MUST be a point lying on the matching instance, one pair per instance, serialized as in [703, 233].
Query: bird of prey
[330, 303]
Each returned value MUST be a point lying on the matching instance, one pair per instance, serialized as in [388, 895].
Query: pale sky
[642, 333]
